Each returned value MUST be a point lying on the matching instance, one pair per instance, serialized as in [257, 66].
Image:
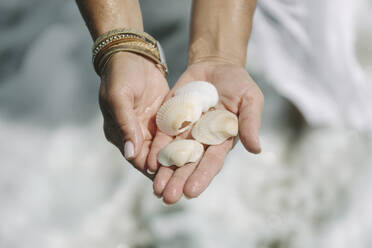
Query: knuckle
[255, 97]
[124, 128]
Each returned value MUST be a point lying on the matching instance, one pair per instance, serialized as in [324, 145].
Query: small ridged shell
[178, 114]
[216, 126]
[208, 93]
[180, 152]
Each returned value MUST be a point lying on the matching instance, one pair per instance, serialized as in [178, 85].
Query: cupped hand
[238, 94]
[132, 90]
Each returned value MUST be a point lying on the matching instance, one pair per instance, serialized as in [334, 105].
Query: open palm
[132, 90]
[238, 94]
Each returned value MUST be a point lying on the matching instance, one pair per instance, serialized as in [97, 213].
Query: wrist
[218, 50]
[210, 66]
[216, 59]
[121, 59]
[220, 30]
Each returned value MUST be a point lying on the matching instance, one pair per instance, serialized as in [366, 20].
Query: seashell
[206, 90]
[180, 152]
[179, 113]
[216, 126]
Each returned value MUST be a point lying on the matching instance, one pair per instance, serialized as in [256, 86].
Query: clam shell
[208, 93]
[179, 113]
[214, 127]
[180, 152]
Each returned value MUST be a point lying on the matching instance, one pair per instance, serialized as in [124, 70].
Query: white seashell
[179, 113]
[214, 127]
[180, 152]
[207, 92]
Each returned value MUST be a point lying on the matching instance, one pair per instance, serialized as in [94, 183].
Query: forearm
[220, 30]
[104, 15]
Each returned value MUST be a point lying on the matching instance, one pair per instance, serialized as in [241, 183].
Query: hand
[238, 94]
[132, 90]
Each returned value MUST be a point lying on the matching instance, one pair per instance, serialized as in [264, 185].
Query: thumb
[250, 123]
[122, 110]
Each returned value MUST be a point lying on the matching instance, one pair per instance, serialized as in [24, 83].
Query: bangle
[105, 37]
[134, 47]
[127, 40]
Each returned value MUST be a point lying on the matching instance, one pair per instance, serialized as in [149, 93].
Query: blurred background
[63, 185]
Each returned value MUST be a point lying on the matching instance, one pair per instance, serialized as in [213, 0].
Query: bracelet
[105, 37]
[135, 47]
[127, 40]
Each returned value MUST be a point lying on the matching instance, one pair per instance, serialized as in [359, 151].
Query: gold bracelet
[134, 47]
[105, 37]
[116, 38]
[126, 40]
[132, 41]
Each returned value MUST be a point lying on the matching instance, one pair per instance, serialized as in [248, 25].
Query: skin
[220, 32]
[129, 100]
[243, 98]
[132, 87]
[132, 90]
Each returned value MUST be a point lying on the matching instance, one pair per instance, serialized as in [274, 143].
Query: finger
[208, 168]
[161, 180]
[174, 189]
[121, 106]
[250, 122]
[159, 142]
[139, 162]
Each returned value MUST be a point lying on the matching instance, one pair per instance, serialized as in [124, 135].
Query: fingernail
[150, 172]
[128, 150]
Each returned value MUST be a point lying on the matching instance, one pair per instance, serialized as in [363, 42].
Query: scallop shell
[214, 127]
[208, 93]
[179, 113]
[180, 152]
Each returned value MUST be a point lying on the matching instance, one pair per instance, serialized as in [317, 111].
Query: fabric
[306, 49]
